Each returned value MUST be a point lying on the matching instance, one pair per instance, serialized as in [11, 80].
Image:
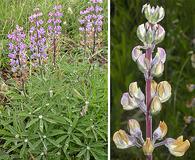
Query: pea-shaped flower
[148, 147]
[156, 105]
[122, 140]
[153, 88]
[177, 147]
[160, 132]
[158, 62]
[136, 92]
[164, 91]
[134, 128]
[153, 14]
[128, 102]
[136, 53]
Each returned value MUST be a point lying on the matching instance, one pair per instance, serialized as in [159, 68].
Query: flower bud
[156, 105]
[193, 60]
[150, 34]
[159, 34]
[164, 91]
[136, 53]
[128, 102]
[136, 92]
[153, 88]
[134, 128]
[177, 147]
[148, 147]
[161, 131]
[141, 32]
[159, 57]
[122, 140]
[153, 14]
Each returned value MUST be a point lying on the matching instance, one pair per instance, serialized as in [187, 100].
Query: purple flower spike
[17, 49]
[54, 28]
[37, 38]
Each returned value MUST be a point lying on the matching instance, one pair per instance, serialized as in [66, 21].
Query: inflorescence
[151, 34]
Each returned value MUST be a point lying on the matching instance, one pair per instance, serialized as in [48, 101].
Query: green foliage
[178, 43]
[47, 124]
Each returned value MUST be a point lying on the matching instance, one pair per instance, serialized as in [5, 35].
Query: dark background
[179, 44]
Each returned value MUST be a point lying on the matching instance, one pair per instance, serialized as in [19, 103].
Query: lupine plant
[91, 24]
[37, 38]
[54, 29]
[151, 65]
[17, 55]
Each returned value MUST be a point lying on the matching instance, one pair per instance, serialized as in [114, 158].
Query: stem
[148, 101]
[54, 51]
[94, 37]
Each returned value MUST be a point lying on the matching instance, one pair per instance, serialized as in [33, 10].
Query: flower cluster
[37, 38]
[54, 28]
[91, 22]
[17, 48]
[151, 66]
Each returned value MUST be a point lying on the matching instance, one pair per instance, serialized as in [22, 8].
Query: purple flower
[37, 38]
[54, 28]
[17, 50]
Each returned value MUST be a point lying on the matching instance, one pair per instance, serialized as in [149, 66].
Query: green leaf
[81, 153]
[49, 120]
[77, 140]
[22, 151]
[53, 142]
[14, 147]
[41, 125]
[32, 122]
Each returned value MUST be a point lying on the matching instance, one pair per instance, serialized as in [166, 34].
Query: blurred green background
[179, 44]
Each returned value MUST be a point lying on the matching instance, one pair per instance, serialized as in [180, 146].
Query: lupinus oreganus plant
[150, 33]
[17, 55]
[37, 38]
[54, 29]
[91, 24]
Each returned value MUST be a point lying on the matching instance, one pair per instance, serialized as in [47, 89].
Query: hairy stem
[148, 101]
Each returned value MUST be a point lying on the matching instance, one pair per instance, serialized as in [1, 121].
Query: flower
[161, 131]
[153, 88]
[136, 53]
[158, 62]
[134, 128]
[156, 105]
[177, 147]
[153, 14]
[148, 147]
[122, 140]
[164, 91]
[128, 102]
[136, 92]
[193, 60]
